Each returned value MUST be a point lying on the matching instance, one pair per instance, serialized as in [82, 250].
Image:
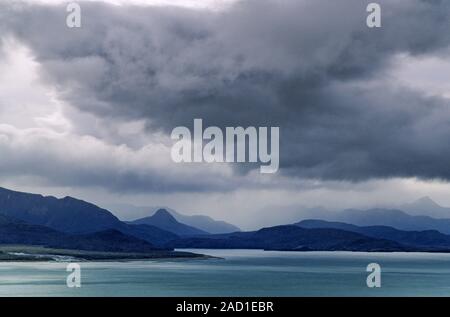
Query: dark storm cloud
[305, 66]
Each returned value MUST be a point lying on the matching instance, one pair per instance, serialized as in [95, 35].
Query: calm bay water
[240, 273]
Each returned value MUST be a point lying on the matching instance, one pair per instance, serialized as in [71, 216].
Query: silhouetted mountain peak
[164, 215]
[426, 202]
[205, 223]
[426, 206]
[164, 220]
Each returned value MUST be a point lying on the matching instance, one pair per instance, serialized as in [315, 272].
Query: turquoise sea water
[239, 273]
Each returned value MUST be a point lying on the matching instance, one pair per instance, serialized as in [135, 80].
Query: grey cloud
[65, 160]
[300, 65]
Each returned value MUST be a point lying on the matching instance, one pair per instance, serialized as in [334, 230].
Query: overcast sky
[363, 113]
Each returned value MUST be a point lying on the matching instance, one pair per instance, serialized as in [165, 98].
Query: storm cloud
[313, 68]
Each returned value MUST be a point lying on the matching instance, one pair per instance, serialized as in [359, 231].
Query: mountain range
[164, 220]
[426, 205]
[431, 239]
[204, 223]
[17, 232]
[292, 238]
[73, 216]
[67, 214]
[388, 217]
[70, 223]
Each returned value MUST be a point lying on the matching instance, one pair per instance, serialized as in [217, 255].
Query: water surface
[239, 273]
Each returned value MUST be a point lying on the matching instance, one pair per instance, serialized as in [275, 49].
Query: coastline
[26, 253]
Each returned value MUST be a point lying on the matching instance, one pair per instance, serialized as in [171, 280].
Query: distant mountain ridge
[18, 232]
[75, 224]
[67, 214]
[205, 223]
[389, 217]
[421, 239]
[164, 220]
[131, 213]
[291, 238]
[73, 216]
[426, 205]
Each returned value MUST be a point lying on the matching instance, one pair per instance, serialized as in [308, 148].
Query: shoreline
[26, 253]
[20, 253]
